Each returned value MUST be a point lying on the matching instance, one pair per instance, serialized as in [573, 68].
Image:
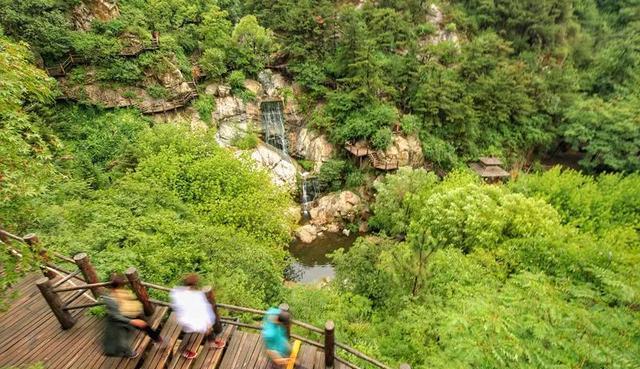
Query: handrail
[68, 277]
[83, 306]
[61, 309]
[360, 355]
[262, 312]
[83, 287]
[308, 326]
[10, 235]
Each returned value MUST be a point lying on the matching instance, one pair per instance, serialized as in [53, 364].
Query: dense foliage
[507, 78]
[110, 183]
[542, 273]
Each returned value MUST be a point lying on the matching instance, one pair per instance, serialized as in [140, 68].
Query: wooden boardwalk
[30, 333]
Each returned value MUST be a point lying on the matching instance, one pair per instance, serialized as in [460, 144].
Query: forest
[540, 271]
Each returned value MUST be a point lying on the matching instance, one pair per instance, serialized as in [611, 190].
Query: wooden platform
[29, 333]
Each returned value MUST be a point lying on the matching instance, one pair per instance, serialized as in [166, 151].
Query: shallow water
[312, 263]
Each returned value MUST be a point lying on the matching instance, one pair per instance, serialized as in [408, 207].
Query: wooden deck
[29, 333]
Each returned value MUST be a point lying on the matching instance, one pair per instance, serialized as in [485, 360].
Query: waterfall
[273, 124]
[308, 193]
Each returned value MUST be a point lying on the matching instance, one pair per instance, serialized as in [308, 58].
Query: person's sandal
[217, 344]
[133, 354]
[187, 354]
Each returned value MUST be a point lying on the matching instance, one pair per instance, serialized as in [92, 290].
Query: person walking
[123, 317]
[274, 335]
[193, 312]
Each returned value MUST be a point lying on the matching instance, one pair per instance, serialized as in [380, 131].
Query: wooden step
[157, 357]
[191, 342]
[210, 357]
[140, 344]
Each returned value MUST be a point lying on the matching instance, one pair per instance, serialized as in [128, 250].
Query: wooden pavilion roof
[492, 171]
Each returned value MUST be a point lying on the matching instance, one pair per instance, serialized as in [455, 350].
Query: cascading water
[273, 124]
[308, 193]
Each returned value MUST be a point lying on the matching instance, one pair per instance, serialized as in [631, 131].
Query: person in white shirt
[194, 312]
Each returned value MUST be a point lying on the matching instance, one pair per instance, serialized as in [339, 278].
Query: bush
[355, 179]
[382, 138]
[236, 81]
[331, 176]
[246, 142]
[121, 70]
[205, 105]
[158, 92]
[213, 62]
[410, 124]
[307, 165]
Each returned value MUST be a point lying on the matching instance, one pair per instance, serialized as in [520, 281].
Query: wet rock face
[90, 10]
[282, 169]
[313, 146]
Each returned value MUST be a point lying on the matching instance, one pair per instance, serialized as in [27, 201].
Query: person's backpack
[128, 304]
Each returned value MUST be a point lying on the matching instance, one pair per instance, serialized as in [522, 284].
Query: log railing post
[139, 290]
[89, 273]
[32, 241]
[405, 366]
[211, 296]
[52, 298]
[329, 344]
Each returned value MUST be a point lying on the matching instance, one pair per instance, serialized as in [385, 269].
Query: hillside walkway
[30, 333]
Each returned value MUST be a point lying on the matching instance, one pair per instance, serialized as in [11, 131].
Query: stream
[312, 262]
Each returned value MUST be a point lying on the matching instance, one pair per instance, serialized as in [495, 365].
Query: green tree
[609, 133]
[253, 45]
[26, 148]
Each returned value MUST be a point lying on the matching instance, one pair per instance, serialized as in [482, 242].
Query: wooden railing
[61, 309]
[174, 104]
[61, 69]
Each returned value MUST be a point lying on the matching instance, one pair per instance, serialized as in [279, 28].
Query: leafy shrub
[426, 29]
[410, 124]
[236, 81]
[355, 179]
[78, 75]
[213, 62]
[307, 165]
[158, 92]
[121, 70]
[382, 138]
[246, 142]
[331, 175]
[205, 105]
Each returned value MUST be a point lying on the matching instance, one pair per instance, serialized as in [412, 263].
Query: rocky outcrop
[96, 93]
[330, 214]
[307, 233]
[442, 32]
[231, 118]
[89, 10]
[282, 168]
[313, 146]
[403, 151]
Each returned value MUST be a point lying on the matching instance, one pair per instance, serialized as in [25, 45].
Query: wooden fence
[88, 276]
[72, 60]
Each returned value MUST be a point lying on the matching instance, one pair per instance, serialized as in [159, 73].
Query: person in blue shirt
[275, 337]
